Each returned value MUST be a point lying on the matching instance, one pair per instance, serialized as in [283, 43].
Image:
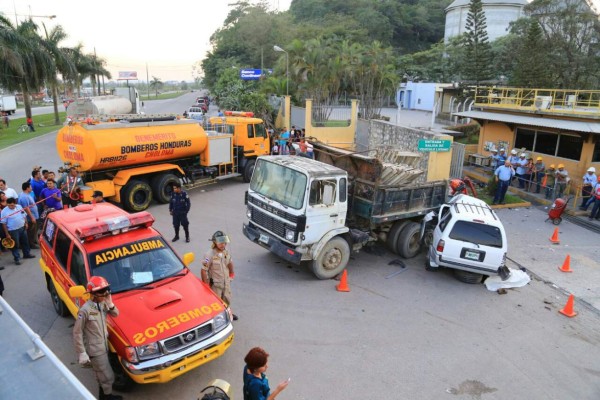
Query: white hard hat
[494, 151]
[591, 169]
[523, 155]
[502, 149]
[513, 151]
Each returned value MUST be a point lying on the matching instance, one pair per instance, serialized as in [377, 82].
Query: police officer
[90, 334]
[179, 206]
[217, 268]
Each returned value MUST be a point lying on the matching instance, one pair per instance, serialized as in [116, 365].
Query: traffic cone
[343, 285]
[566, 267]
[568, 310]
[554, 239]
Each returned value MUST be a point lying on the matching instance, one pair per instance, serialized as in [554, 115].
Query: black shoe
[235, 317]
[29, 256]
[17, 262]
[187, 239]
[176, 238]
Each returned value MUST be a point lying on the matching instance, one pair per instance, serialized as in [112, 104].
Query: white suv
[469, 238]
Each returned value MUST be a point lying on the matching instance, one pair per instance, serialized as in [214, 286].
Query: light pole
[287, 77]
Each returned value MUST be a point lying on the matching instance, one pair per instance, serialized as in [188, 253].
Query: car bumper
[271, 243]
[437, 260]
[168, 367]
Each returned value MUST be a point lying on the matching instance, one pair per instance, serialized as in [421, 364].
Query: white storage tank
[106, 105]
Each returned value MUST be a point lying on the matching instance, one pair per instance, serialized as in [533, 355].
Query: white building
[499, 14]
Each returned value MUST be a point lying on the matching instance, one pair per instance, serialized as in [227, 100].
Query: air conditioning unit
[571, 100]
[543, 102]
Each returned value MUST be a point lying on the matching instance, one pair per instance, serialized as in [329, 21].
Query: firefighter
[179, 206]
[90, 334]
[217, 268]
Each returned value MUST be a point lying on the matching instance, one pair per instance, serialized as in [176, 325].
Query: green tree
[478, 55]
[156, 84]
[531, 66]
[232, 93]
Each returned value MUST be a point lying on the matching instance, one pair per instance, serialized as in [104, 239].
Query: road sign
[250, 74]
[434, 145]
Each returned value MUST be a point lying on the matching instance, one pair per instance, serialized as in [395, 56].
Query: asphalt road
[408, 335]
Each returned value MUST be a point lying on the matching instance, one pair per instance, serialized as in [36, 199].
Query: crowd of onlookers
[291, 142]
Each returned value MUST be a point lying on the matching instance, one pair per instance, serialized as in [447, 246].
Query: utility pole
[147, 81]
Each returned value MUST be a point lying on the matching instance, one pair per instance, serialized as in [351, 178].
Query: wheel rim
[332, 259]
[413, 243]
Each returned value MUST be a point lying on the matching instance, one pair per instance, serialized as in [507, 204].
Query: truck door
[257, 142]
[326, 210]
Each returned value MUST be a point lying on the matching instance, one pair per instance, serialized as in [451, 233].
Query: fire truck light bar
[239, 113]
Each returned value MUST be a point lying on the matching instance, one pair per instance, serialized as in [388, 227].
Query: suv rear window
[485, 235]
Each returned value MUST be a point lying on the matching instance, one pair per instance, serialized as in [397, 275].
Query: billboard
[127, 75]
[252, 74]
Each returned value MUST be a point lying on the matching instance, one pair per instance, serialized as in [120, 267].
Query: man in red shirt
[30, 124]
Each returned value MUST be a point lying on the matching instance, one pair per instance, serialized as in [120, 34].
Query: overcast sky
[170, 36]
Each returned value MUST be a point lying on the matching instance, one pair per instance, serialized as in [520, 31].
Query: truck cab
[170, 322]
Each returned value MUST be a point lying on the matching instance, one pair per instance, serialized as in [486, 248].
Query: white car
[469, 238]
[47, 100]
[195, 113]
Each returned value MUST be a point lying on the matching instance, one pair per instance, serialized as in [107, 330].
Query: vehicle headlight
[248, 213]
[148, 351]
[289, 234]
[220, 321]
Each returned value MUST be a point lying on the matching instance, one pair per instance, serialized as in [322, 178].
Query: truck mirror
[188, 258]
[77, 291]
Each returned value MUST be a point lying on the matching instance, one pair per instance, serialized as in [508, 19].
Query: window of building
[525, 139]
[570, 147]
[545, 143]
[596, 155]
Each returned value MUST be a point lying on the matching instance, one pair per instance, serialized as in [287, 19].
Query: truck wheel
[136, 195]
[332, 260]
[467, 277]
[392, 239]
[409, 243]
[59, 305]
[123, 382]
[162, 187]
[248, 170]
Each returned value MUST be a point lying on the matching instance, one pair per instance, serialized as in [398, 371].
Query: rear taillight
[440, 246]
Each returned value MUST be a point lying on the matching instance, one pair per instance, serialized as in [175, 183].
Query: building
[561, 126]
[498, 14]
[422, 96]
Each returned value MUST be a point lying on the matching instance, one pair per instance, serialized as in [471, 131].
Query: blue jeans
[596, 210]
[20, 238]
[501, 191]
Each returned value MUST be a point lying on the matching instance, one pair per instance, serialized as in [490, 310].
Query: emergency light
[115, 225]
[239, 113]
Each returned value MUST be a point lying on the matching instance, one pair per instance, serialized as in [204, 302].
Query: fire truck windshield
[279, 183]
[135, 264]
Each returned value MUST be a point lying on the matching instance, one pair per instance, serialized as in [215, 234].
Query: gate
[458, 159]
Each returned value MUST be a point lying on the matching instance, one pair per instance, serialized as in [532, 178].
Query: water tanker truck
[136, 160]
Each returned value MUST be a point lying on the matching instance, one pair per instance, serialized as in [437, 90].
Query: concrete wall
[342, 136]
[437, 164]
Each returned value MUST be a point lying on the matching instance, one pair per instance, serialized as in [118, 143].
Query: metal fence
[458, 160]
[331, 115]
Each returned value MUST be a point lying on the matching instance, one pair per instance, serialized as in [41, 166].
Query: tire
[136, 195]
[332, 259]
[162, 187]
[123, 382]
[392, 239]
[248, 170]
[557, 221]
[467, 277]
[59, 305]
[409, 243]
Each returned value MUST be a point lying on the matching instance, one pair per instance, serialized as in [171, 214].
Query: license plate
[472, 255]
[264, 239]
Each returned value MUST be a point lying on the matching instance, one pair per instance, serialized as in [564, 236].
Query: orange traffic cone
[554, 239]
[566, 267]
[343, 285]
[568, 310]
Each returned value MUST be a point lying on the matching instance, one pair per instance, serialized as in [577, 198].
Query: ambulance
[170, 322]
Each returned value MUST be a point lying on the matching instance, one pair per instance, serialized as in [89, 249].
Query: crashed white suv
[469, 238]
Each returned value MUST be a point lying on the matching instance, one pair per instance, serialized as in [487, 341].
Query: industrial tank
[99, 105]
[104, 146]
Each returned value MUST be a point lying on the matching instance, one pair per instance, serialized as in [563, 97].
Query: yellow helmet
[552, 166]
[561, 165]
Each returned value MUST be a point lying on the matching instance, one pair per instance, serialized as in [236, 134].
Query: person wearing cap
[588, 182]
[217, 268]
[522, 170]
[14, 224]
[595, 199]
[179, 206]
[503, 176]
[592, 197]
[90, 334]
[98, 196]
[514, 160]
[562, 178]
[494, 159]
[550, 179]
[539, 171]
[502, 156]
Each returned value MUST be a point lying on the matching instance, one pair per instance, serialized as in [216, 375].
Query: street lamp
[287, 77]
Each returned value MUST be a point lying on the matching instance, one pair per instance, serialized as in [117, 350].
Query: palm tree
[156, 84]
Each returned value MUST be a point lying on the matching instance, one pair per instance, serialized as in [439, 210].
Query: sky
[168, 36]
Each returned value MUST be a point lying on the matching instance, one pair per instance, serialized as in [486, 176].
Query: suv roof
[471, 206]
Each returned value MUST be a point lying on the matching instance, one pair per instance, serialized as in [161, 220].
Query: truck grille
[188, 338]
[261, 204]
[276, 226]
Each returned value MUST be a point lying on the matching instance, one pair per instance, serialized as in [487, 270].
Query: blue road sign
[249, 74]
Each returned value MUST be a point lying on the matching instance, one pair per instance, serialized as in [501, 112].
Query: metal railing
[557, 101]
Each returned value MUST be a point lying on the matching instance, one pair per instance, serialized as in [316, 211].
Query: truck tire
[392, 239]
[136, 195]
[123, 382]
[467, 277]
[162, 187]
[59, 306]
[332, 259]
[248, 170]
[409, 243]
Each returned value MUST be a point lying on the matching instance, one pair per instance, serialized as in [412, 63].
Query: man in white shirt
[10, 193]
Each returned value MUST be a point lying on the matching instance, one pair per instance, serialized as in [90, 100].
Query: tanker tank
[87, 106]
[105, 146]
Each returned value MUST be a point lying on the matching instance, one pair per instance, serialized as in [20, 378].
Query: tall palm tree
[156, 84]
[11, 63]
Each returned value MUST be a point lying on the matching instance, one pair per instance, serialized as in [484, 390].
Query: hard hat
[539, 159]
[552, 166]
[591, 169]
[502, 149]
[513, 151]
[8, 243]
[220, 237]
[561, 165]
[97, 284]
[523, 155]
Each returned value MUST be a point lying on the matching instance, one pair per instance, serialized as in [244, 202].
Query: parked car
[47, 100]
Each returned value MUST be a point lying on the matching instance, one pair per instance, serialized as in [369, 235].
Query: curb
[511, 205]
